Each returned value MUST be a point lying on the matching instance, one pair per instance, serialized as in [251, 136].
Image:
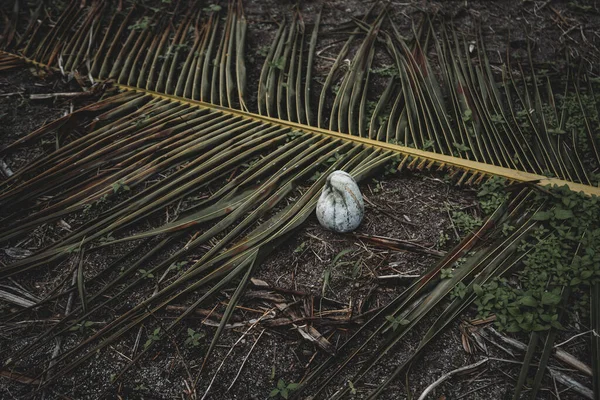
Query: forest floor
[263, 343]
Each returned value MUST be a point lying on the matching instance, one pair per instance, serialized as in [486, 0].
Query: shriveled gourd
[340, 207]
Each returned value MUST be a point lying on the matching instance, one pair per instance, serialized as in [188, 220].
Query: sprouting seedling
[300, 248]
[81, 327]
[283, 390]
[153, 337]
[120, 186]
[397, 321]
[193, 339]
[146, 274]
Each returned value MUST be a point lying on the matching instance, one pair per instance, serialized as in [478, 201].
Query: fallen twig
[15, 299]
[560, 354]
[10, 94]
[70, 95]
[225, 358]
[389, 214]
[261, 284]
[244, 361]
[399, 244]
[308, 332]
[450, 374]
[571, 383]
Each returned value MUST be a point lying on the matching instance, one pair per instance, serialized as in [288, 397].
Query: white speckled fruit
[340, 207]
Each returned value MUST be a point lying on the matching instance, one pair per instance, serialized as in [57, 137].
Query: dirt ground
[261, 345]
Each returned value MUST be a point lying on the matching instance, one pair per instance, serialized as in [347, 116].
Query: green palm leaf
[181, 131]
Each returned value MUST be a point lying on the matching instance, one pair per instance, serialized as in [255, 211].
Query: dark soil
[407, 206]
[20, 115]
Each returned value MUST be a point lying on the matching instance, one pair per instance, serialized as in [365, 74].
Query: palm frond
[181, 135]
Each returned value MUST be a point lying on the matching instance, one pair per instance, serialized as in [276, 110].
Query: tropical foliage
[182, 132]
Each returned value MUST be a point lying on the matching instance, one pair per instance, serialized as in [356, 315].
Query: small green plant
[560, 256]
[391, 168]
[81, 327]
[497, 119]
[146, 274]
[153, 337]
[465, 222]
[315, 177]
[492, 194]
[106, 239]
[142, 24]
[177, 266]
[352, 388]
[141, 387]
[263, 51]
[181, 47]
[467, 115]
[88, 207]
[428, 144]
[459, 291]
[370, 109]
[385, 70]
[301, 247]
[283, 389]
[335, 88]
[446, 273]
[442, 240]
[292, 135]
[279, 63]
[461, 147]
[120, 186]
[335, 157]
[507, 229]
[193, 339]
[397, 321]
[378, 186]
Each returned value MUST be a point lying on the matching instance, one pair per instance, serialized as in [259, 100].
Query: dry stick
[556, 388]
[559, 376]
[450, 374]
[137, 341]
[45, 96]
[229, 352]
[398, 244]
[571, 338]
[389, 214]
[244, 361]
[14, 299]
[571, 383]
[452, 222]
[561, 355]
